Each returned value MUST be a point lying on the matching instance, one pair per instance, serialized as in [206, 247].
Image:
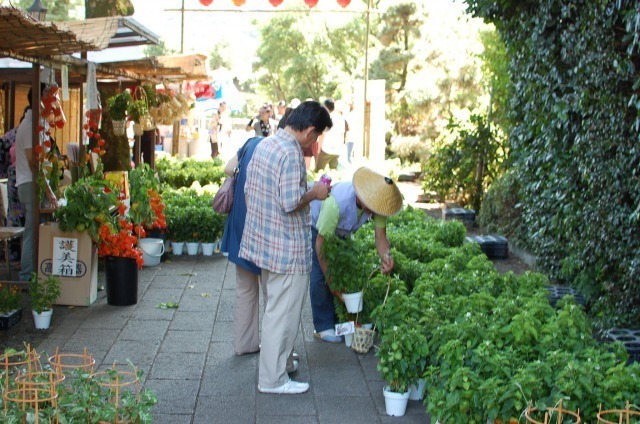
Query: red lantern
[239, 2]
[311, 3]
[275, 3]
[206, 2]
[344, 3]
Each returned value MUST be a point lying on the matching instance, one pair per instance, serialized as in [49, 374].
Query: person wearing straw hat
[369, 196]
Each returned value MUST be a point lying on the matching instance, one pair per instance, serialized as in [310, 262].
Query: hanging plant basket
[137, 129]
[119, 127]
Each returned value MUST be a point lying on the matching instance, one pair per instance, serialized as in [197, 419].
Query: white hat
[378, 193]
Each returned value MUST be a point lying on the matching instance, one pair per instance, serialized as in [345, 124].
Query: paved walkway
[187, 357]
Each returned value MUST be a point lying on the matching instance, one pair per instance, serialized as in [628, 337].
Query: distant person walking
[214, 129]
[333, 140]
[277, 237]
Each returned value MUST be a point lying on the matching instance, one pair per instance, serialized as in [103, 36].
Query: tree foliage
[294, 60]
[57, 10]
[574, 112]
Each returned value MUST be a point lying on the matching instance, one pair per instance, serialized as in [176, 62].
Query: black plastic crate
[630, 338]
[558, 292]
[466, 216]
[8, 321]
[495, 247]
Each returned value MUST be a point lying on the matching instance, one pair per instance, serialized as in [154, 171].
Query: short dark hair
[330, 104]
[309, 114]
[30, 94]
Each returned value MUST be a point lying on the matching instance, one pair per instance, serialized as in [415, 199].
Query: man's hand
[320, 191]
[387, 263]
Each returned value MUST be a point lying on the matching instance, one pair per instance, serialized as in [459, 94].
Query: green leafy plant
[9, 298]
[210, 225]
[403, 357]
[44, 292]
[88, 206]
[137, 109]
[349, 264]
[118, 105]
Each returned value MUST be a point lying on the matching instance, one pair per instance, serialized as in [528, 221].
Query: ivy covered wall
[575, 141]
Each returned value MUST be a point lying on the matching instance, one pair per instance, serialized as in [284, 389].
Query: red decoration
[275, 3]
[311, 3]
[344, 3]
[206, 2]
[239, 2]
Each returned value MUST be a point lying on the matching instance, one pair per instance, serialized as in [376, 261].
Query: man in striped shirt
[277, 237]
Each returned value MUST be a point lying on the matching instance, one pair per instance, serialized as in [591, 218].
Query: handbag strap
[244, 150]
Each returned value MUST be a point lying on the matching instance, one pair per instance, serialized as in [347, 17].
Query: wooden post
[35, 140]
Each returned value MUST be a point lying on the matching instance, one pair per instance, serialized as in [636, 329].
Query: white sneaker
[328, 336]
[289, 388]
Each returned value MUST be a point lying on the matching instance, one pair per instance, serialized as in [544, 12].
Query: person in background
[26, 169]
[348, 121]
[370, 196]
[262, 125]
[214, 127]
[277, 237]
[281, 108]
[15, 217]
[332, 141]
[226, 126]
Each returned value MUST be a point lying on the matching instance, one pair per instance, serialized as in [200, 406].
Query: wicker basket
[147, 123]
[137, 129]
[362, 339]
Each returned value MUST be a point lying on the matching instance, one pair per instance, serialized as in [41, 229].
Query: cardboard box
[65, 254]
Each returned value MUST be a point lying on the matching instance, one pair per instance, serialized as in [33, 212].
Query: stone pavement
[187, 356]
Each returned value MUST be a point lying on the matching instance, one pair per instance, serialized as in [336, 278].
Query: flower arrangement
[147, 207]
[44, 292]
[9, 298]
[119, 240]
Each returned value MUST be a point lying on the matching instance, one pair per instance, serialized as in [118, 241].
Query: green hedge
[182, 173]
[574, 141]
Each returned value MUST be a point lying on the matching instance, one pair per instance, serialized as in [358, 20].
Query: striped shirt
[276, 237]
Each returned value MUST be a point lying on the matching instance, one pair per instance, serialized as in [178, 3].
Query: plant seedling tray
[495, 247]
[10, 319]
[466, 216]
[630, 338]
[558, 292]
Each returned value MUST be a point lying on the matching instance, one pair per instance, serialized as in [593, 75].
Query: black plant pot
[122, 281]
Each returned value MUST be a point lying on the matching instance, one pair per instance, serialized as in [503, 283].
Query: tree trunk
[103, 8]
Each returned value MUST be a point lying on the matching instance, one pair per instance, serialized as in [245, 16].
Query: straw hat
[378, 193]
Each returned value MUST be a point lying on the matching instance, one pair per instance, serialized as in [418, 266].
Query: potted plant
[10, 310]
[136, 110]
[119, 245]
[403, 355]
[349, 266]
[44, 293]
[118, 106]
[210, 228]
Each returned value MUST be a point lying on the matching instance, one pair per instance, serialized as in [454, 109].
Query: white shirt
[23, 142]
[334, 138]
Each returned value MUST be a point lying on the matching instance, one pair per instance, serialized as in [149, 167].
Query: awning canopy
[169, 68]
[21, 35]
[113, 31]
